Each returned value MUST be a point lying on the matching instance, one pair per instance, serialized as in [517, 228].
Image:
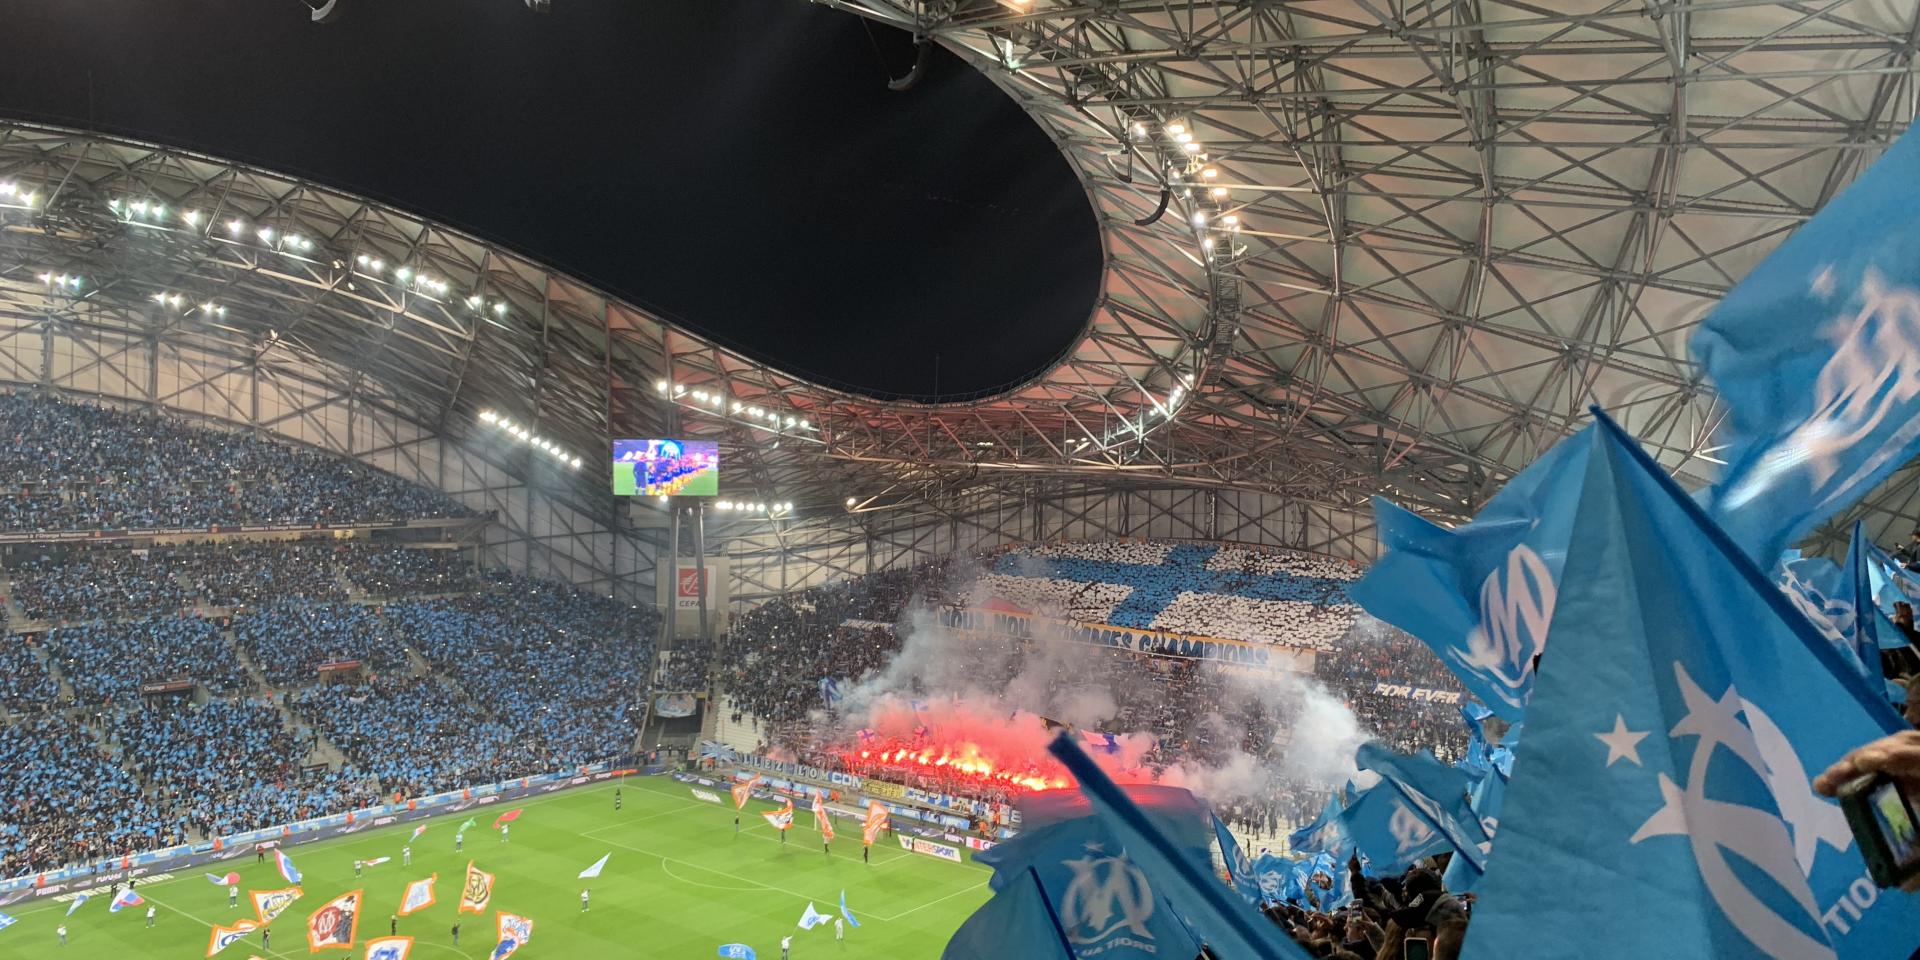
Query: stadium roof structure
[1351, 247]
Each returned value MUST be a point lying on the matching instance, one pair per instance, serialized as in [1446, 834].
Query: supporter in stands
[107, 662]
[384, 572]
[417, 735]
[67, 799]
[73, 466]
[97, 584]
[290, 639]
[233, 765]
[25, 684]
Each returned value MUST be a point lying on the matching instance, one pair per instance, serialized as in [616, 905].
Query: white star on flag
[1622, 744]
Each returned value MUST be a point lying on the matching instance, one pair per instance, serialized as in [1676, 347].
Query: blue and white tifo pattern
[1227, 592]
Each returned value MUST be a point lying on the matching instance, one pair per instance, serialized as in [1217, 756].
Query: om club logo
[1107, 895]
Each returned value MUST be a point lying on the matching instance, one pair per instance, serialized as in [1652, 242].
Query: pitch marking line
[768, 886]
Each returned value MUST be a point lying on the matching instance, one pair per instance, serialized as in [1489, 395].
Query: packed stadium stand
[164, 690]
[76, 466]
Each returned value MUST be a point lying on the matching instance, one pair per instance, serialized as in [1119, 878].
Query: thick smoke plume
[989, 700]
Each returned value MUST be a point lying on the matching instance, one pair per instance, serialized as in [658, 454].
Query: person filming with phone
[1877, 785]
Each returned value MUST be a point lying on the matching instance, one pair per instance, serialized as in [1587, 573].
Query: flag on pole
[594, 871]
[1670, 750]
[781, 818]
[78, 899]
[419, 896]
[228, 880]
[1481, 594]
[876, 821]
[845, 912]
[813, 918]
[376, 861]
[1168, 867]
[417, 831]
[268, 904]
[1815, 354]
[1074, 854]
[389, 948]
[124, 899]
[1239, 869]
[221, 937]
[741, 791]
[508, 817]
[288, 871]
[333, 926]
[736, 951]
[477, 890]
[7, 921]
[820, 818]
[469, 825]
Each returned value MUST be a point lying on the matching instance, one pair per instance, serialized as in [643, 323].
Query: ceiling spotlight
[235, 227]
[851, 501]
[192, 217]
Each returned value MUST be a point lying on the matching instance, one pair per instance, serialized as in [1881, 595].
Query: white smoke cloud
[962, 681]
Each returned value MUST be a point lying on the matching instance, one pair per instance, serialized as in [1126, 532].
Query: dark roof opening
[739, 166]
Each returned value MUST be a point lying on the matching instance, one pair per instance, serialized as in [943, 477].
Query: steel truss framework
[1352, 246]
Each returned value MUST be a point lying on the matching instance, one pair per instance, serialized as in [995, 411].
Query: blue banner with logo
[1816, 354]
[1482, 594]
[1671, 745]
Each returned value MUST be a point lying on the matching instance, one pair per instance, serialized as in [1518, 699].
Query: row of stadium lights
[520, 432]
[741, 506]
[293, 244]
[717, 402]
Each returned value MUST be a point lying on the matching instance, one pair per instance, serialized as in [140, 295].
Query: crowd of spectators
[417, 735]
[97, 584]
[106, 661]
[232, 765]
[25, 684]
[385, 572]
[563, 668]
[248, 574]
[69, 799]
[773, 656]
[76, 466]
[290, 640]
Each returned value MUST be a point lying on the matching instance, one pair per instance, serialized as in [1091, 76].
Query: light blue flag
[1270, 874]
[1482, 594]
[1477, 762]
[1670, 750]
[1389, 832]
[78, 899]
[813, 918]
[1019, 921]
[1817, 357]
[1095, 878]
[1435, 792]
[1239, 868]
[736, 951]
[1823, 592]
[1326, 834]
[1169, 869]
[1488, 795]
[7, 921]
[845, 912]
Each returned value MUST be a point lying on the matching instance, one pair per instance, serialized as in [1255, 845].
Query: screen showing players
[673, 468]
[1896, 823]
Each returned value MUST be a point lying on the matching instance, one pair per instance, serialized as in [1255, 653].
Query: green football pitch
[679, 884]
